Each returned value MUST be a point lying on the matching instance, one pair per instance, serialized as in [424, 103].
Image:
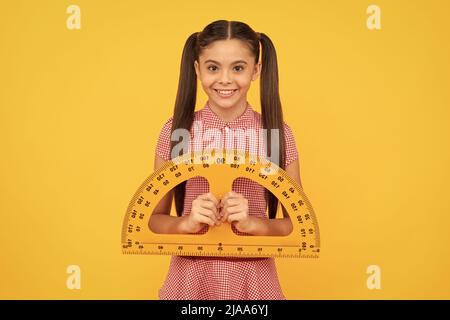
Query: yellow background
[81, 111]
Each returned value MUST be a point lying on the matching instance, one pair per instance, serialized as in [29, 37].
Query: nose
[225, 77]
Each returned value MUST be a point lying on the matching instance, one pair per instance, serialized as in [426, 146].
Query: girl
[225, 58]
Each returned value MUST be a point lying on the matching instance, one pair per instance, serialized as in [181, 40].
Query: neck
[229, 114]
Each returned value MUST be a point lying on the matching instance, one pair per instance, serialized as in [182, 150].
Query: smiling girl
[225, 58]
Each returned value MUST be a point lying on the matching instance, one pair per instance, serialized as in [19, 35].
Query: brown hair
[271, 111]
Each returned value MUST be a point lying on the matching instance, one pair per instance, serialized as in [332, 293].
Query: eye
[213, 66]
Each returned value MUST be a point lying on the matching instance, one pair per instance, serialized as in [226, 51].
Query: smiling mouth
[225, 93]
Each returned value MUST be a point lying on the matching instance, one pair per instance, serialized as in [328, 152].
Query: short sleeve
[290, 146]
[163, 144]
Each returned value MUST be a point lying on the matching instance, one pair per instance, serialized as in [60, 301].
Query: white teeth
[225, 92]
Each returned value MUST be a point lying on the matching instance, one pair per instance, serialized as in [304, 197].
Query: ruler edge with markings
[191, 155]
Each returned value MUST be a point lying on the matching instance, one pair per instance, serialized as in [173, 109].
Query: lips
[225, 93]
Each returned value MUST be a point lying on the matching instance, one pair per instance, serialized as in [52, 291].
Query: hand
[234, 208]
[204, 211]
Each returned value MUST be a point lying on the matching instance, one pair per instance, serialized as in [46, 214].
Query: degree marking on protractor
[136, 233]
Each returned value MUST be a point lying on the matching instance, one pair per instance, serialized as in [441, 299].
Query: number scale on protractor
[221, 169]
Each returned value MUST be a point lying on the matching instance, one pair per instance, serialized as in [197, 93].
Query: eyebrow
[216, 62]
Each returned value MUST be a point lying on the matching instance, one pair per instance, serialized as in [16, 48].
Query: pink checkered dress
[217, 278]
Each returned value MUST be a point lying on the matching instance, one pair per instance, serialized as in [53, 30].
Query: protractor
[220, 169]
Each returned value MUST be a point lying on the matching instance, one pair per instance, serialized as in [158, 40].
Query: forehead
[226, 51]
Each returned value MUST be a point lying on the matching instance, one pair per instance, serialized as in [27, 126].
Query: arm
[161, 221]
[278, 227]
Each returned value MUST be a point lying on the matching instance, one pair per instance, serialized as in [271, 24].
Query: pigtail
[271, 110]
[183, 114]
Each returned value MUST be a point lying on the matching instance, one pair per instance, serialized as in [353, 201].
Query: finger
[209, 196]
[233, 194]
[215, 208]
[234, 217]
[232, 202]
[206, 217]
[230, 210]
[208, 213]
[223, 200]
[225, 216]
[227, 195]
[206, 220]
[225, 211]
[234, 209]
[208, 205]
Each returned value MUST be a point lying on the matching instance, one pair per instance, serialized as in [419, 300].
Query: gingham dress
[217, 278]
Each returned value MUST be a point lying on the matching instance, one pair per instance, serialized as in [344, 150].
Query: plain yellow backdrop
[81, 111]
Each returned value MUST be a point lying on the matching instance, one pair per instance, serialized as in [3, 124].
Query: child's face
[226, 73]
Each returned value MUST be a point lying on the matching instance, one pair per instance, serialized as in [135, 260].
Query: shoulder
[163, 143]
[288, 131]
[257, 115]
[291, 146]
[168, 124]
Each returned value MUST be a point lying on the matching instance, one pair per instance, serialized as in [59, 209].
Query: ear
[256, 71]
[197, 69]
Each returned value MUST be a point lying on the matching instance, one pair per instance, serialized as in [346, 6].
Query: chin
[225, 104]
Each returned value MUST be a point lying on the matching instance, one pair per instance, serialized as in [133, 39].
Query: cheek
[207, 84]
[244, 82]
[210, 82]
[244, 85]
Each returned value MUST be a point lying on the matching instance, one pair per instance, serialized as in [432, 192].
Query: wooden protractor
[221, 169]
